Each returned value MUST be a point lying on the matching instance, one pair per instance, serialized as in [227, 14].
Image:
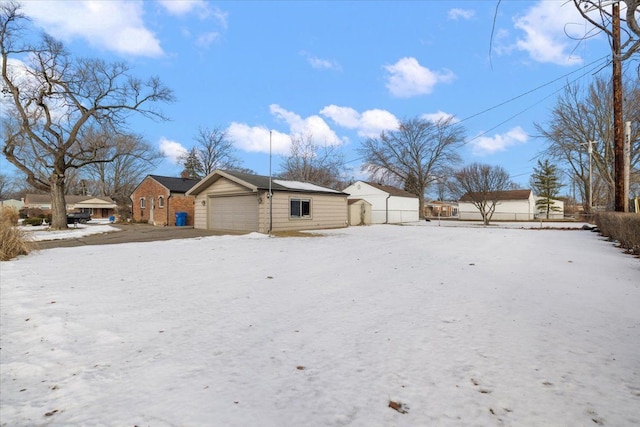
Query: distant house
[98, 207]
[157, 200]
[511, 205]
[234, 201]
[389, 204]
[440, 209]
[12, 203]
[553, 214]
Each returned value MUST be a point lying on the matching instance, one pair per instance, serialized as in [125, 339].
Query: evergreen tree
[192, 165]
[546, 185]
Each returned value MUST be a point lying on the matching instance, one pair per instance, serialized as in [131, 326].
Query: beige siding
[327, 211]
[221, 187]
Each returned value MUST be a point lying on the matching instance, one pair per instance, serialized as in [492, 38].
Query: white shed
[511, 205]
[389, 205]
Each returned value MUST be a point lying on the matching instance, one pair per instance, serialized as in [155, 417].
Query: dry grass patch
[13, 241]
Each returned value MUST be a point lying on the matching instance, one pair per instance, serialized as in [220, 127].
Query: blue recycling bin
[181, 219]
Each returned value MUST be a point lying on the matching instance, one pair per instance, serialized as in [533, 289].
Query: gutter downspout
[387, 209]
[168, 209]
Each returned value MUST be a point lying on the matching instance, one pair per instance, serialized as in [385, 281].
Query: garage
[243, 202]
[237, 213]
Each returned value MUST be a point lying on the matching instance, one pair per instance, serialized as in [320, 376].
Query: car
[78, 217]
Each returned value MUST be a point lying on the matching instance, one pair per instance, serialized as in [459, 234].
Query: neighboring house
[12, 203]
[557, 214]
[389, 204]
[98, 207]
[234, 201]
[359, 212]
[440, 209]
[157, 200]
[511, 205]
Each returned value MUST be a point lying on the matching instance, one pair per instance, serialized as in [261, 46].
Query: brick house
[157, 199]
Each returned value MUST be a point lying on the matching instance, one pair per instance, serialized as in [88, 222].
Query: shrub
[10, 215]
[623, 227]
[12, 240]
[32, 221]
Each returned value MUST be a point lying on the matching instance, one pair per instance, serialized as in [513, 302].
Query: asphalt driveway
[130, 233]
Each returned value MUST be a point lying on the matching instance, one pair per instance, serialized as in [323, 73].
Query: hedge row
[623, 227]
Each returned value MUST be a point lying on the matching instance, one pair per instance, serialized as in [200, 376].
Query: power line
[590, 70]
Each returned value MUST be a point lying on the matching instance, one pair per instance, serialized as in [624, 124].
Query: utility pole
[618, 137]
[627, 163]
[589, 145]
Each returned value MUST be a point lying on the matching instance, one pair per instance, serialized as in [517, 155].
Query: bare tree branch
[62, 108]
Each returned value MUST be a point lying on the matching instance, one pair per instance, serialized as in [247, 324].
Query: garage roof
[259, 182]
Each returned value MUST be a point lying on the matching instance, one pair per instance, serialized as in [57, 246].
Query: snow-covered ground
[44, 232]
[458, 325]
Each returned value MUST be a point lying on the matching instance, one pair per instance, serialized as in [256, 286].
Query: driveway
[130, 233]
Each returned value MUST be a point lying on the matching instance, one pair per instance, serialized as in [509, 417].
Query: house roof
[390, 189]
[259, 182]
[175, 185]
[501, 195]
[69, 199]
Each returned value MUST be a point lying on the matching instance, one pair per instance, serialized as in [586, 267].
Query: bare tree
[481, 185]
[585, 114]
[57, 101]
[415, 154]
[310, 162]
[214, 150]
[604, 18]
[133, 159]
[7, 186]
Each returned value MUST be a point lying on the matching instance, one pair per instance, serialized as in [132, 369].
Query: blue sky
[340, 71]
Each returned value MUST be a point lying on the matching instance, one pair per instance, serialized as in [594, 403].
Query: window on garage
[300, 208]
[161, 201]
[143, 202]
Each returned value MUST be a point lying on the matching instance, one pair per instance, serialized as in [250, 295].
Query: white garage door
[237, 213]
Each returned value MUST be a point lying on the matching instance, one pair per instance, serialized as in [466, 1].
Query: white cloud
[172, 150]
[369, 124]
[256, 139]
[182, 7]
[113, 25]
[314, 126]
[551, 30]
[408, 78]
[457, 13]
[205, 39]
[489, 145]
[322, 64]
[201, 7]
[438, 116]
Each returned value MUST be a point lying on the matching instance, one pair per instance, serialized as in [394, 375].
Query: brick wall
[179, 203]
[162, 215]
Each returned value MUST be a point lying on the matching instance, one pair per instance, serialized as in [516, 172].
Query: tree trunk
[58, 204]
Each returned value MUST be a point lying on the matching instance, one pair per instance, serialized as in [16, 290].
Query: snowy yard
[458, 325]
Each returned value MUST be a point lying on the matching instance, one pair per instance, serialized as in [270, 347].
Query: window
[161, 201]
[142, 203]
[300, 208]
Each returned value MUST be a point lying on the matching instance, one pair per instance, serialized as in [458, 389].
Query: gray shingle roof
[175, 185]
[394, 191]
